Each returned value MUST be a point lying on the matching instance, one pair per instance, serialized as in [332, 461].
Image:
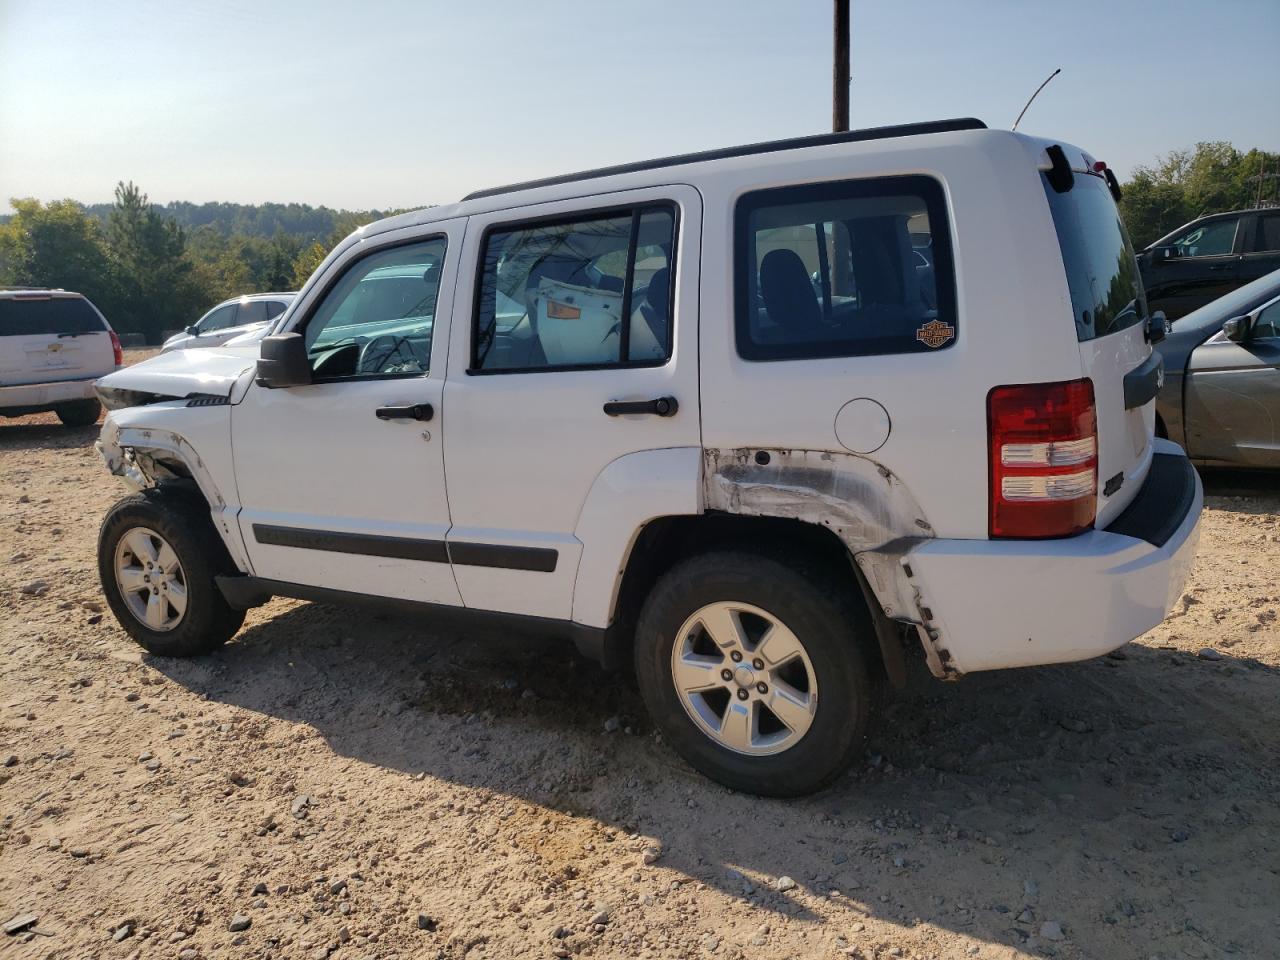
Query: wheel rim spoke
[157, 611]
[737, 726]
[791, 707]
[166, 558]
[778, 645]
[695, 673]
[131, 579]
[722, 626]
[177, 594]
[140, 543]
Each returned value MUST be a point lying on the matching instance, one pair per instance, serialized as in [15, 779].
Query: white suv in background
[717, 418]
[53, 345]
[230, 319]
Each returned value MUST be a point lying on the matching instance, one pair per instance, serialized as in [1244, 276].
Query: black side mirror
[1237, 328]
[192, 331]
[283, 361]
[1161, 255]
[1157, 327]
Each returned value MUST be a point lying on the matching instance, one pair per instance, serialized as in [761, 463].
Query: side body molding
[627, 494]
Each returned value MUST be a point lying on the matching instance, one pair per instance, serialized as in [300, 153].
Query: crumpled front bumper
[989, 604]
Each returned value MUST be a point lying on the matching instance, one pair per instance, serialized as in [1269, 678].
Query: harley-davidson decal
[935, 333]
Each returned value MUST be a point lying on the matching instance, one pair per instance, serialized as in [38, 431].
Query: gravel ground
[338, 784]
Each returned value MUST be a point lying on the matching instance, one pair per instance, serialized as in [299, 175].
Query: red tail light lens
[1043, 441]
[117, 351]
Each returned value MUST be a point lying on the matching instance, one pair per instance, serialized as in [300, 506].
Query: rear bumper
[35, 396]
[990, 604]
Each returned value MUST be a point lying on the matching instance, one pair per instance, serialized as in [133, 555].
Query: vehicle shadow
[1098, 796]
[44, 432]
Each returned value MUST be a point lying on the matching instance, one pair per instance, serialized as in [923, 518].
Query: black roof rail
[769, 146]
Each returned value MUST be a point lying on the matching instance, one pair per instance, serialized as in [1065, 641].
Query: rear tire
[728, 729]
[158, 554]
[79, 413]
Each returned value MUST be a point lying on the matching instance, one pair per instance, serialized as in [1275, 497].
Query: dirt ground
[364, 787]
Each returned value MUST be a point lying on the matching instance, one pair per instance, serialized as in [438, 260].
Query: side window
[220, 319]
[1214, 239]
[377, 320]
[588, 292]
[274, 308]
[843, 269]
[1267, 324]
[1268, 235]
[254, 311]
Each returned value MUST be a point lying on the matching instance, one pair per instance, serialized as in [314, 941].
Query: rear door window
[584, 292]
[275, 308]
[23, 317]
[255, 311]
[1267, 238]
[843, 269]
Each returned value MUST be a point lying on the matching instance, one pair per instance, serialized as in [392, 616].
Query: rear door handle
[661, 407]
[414, 411]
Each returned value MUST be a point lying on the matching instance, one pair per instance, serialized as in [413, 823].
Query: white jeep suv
[53, 345]
[752, 422]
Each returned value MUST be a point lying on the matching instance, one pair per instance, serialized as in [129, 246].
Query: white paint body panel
[39, 394]
[180, 373]
[315, 457]
[524, 449]
[629, 493]
[1017, 603]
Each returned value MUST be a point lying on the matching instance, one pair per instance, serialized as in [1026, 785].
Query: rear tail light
[1043, 440]
[117, 351]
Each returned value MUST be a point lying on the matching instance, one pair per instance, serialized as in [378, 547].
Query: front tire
[79, 413]
[757, 672]
[158, 554]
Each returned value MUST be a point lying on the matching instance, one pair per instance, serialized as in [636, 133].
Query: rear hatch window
[31, 316]
[1102, 271]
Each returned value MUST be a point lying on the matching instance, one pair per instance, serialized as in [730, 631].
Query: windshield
[1102, 272]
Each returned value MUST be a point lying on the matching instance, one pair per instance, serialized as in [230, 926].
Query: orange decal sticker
[935, 333]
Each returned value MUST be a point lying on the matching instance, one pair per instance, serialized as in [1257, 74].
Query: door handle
[1221, 266]
[661, 407]
[414, 411]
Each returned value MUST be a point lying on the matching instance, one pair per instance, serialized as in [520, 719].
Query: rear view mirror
[283, 361]
[192, 331]
[1161, 254]
[1237, 329]
[1157, 327]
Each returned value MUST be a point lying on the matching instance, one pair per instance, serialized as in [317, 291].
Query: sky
[390, 103]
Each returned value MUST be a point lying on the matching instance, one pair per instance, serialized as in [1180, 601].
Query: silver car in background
[229, 319]
[1221, 392]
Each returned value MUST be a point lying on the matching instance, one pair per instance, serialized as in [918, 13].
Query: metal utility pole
[840, 69]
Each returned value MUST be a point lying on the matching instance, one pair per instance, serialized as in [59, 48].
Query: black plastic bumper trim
[1143, 382]
[1162, 504]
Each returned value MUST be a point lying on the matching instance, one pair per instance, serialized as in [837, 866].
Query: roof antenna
[1034, 95]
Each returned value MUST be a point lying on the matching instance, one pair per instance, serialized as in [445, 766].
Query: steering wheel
[386, 354]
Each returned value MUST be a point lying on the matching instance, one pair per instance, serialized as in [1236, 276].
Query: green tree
[1211, 177]
[159, 287]
[56, 245]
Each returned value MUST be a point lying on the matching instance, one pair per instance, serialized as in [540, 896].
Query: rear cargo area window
[843, 269]
[23, 317]
[1102, 271]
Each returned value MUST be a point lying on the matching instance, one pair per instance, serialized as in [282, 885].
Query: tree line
[153, 268]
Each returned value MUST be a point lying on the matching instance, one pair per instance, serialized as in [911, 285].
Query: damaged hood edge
[181, 373]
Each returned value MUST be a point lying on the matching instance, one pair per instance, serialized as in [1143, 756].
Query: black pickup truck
[1203, 259]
